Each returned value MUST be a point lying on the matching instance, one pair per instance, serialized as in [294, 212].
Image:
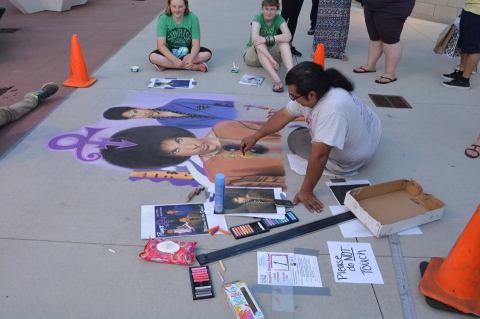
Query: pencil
[222, 265]
[220, 275]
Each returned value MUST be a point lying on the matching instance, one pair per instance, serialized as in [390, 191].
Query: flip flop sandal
[388, 80]
[362, 69]
[472, 151]
[278, 87]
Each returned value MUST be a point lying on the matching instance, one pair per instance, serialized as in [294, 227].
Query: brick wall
[437, 10]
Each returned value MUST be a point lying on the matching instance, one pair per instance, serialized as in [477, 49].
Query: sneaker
[46, 91]
[459, 83]
[452, 76]
[311, 32]
[295, 52]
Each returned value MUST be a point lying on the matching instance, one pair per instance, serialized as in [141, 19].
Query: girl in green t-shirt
[269, 43]
[178, 40]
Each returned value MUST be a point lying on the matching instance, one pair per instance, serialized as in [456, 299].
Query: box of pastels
[262, 226]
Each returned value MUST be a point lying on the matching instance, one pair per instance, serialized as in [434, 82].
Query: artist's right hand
[247, 143]
[309, 200]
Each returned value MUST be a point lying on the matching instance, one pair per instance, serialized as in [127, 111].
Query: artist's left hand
[188, 61]
[309, 200]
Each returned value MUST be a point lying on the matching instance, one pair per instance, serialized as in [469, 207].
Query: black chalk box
[202, 287]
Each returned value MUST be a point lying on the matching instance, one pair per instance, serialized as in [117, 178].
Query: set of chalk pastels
[201, 283]
[262, 226]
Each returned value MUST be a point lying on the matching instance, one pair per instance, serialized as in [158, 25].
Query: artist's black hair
[147, 153]
[271, 3]
[116, 113]
[308, 76]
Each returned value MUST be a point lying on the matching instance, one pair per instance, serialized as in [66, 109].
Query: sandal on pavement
[387, 80]
[362, 69]
[473, 151]
[277, 87]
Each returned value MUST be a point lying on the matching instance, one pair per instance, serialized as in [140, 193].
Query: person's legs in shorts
[469, 43]
[374, 44]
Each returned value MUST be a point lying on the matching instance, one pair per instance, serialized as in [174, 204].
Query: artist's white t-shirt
[340, 119]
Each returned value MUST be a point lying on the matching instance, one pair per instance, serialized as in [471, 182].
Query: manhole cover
[395, 101]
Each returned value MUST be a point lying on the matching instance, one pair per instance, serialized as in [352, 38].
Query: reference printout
[287, 269]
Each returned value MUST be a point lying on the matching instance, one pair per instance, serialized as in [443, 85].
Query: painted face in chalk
[138, 114]
[188, 146]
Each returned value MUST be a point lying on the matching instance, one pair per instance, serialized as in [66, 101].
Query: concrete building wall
[437, 10]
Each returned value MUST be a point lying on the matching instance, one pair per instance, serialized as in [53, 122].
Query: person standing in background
[290, 12]
[469, 43]
[332, 28]
[313, 17]
[385, 20]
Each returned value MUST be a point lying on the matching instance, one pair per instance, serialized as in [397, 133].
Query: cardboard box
[391, 207]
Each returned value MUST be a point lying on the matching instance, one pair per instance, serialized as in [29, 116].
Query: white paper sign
[354, 263]
[286, 269]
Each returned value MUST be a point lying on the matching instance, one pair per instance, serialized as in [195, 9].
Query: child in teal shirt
[269, 43]
[178, 40]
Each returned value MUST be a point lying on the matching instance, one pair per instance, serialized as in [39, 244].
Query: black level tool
[273, 239]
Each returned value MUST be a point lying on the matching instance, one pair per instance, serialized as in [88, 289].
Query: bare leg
[202, 57]
[470, 62]
[375, 51]
[393, 53]
[266, 62]
[161, 61]
[286, 55]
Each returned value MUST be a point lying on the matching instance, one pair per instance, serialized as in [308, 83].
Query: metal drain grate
[4, 89]
[8, 30]
[395, 101]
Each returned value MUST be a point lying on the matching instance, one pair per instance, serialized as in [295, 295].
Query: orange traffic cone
[319, 55]
[455, 280]
[78, 69]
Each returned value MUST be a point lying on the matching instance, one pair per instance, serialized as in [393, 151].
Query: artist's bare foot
[201, 67]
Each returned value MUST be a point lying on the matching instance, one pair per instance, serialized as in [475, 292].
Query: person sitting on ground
[344, 131]
[178, 40]
[30, 101]
[269, 43]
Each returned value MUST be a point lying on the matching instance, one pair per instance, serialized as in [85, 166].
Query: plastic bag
[169, 251]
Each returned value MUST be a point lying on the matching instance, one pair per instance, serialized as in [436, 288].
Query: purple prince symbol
[77, 142]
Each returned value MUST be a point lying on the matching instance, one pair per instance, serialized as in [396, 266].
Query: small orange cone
[455, 280]
[78, 69]
[319, 55]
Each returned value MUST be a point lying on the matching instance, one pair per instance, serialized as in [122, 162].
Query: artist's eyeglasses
[293, 97]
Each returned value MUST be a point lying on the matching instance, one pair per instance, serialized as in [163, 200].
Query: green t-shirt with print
[178, 34]
[272, 28]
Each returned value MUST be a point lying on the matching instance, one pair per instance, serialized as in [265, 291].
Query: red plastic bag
[169, 251]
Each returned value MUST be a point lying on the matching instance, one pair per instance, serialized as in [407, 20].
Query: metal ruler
[406, 299]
